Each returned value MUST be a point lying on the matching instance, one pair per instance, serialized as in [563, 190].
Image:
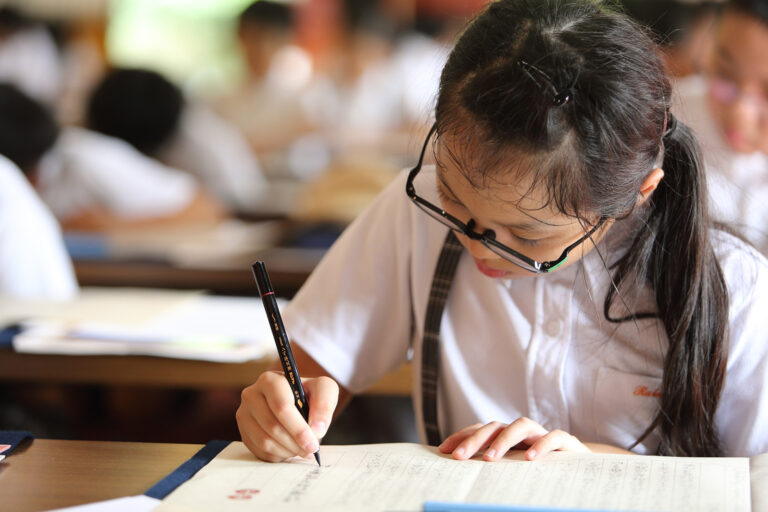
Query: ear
[649, 185]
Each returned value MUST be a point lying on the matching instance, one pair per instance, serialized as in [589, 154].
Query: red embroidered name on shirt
[644, 391]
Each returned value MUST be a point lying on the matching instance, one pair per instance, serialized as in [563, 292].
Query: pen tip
[317, 457]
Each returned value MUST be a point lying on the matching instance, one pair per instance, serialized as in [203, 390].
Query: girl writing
[555, 275]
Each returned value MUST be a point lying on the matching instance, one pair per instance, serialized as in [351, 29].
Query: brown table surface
[47, 474]
[154, 372]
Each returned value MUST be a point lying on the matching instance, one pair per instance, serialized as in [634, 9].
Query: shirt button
[553, 327]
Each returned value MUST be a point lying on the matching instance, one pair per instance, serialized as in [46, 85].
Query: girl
[555, 274]
[728, 109]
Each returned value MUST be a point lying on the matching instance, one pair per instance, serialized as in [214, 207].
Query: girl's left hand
[498, 438]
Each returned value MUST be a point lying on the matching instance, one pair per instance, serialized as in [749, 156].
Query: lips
[490, 272]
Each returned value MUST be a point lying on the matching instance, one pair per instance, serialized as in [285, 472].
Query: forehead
[505, 181]
[743, 39]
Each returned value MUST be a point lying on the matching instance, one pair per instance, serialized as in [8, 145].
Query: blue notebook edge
[439, 506]
[186, 470]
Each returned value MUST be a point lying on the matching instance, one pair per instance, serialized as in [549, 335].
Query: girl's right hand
[272, 427]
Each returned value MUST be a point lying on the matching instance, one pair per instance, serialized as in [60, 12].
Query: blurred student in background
[94, 182]
[267, 106]
[727, 106]
[33, 261]
[684, 30]
[143, 108]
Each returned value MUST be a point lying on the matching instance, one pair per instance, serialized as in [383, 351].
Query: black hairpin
[562, 97]
[559, 98]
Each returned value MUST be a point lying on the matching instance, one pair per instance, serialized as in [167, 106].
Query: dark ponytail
[673, 254]
[579, 95]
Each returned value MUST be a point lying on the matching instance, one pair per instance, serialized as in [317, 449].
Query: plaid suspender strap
[430, 351]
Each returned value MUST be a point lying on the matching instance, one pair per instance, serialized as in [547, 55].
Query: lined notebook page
[404, 476]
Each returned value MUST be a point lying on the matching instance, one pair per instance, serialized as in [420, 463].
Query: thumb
[323, 396]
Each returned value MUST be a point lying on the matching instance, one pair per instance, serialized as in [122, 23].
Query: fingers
[323, 396]
[498, 438]
[556, 440]
[521, 431]
[270, 424]
[452, 441]
[257, 441]
[469, 442]
[281, 404]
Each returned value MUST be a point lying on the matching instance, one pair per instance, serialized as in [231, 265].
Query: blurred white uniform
[218, 155]
[30, 60]
[86, 170]
[738, 182]
[33, 261]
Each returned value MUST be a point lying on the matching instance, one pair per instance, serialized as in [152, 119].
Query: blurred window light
[190, 41]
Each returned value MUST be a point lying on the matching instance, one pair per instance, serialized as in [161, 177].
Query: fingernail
[531, 454]
[318, 427]
[459, 452]
[490, 454]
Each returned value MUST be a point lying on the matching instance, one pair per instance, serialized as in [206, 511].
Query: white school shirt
[538, 346]
[738, 182]
[218, 155]
[30, 60]
[33, 261]
[86, 170]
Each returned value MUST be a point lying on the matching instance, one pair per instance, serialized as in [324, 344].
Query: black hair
[576, 95]
[27, 128]
[269, 14]
[136, 105]
[755, 8]
[367, 16]
[11, 20]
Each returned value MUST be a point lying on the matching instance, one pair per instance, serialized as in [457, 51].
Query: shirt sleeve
[101, 171]
[353, 315]
[742, 415]
[34, 263]
[219, 156]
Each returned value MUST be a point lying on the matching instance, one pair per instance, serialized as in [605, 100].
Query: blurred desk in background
[155, 372]
[288, 268]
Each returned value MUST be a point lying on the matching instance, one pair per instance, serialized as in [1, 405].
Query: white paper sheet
[155, 323]
[404, 476]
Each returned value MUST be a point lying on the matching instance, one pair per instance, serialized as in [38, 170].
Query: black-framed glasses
[487, 237]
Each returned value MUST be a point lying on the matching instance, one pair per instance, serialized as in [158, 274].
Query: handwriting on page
[404, 476]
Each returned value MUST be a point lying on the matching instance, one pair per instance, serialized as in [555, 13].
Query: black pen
[281, 341]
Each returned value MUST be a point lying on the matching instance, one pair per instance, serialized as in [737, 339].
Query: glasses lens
[511, 258]
[435, 215]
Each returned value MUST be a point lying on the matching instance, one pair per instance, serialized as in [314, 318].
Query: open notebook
[123, 321]
[404, 476]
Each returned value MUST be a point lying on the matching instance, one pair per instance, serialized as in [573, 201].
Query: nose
[476, 248]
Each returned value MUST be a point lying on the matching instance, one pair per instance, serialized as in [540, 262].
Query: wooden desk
[48, 474]
[154, 372]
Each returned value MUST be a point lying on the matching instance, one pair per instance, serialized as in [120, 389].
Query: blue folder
[437, 506]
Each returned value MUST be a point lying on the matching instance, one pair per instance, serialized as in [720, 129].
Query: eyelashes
[526, 241]
[445, 199]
